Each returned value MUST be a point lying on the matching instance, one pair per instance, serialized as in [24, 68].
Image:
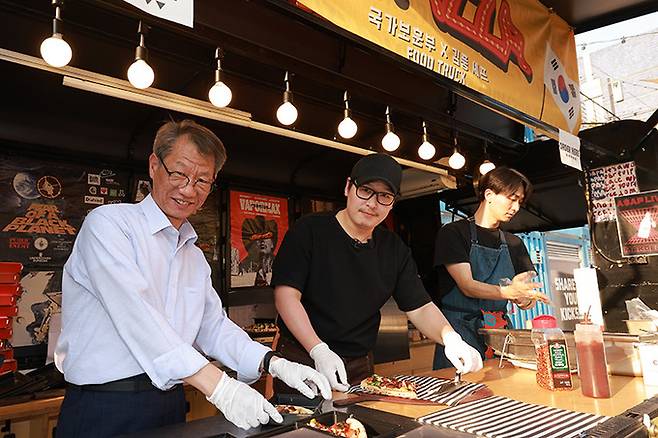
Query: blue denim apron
[488, 265]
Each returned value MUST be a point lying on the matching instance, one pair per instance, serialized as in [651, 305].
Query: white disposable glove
[241, 404]
[328, 364]
[304, 379]
[464, 357]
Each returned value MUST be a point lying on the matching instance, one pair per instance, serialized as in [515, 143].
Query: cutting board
[378, 397]
[477, 395]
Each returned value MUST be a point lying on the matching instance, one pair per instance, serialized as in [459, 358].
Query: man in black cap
[334, 272]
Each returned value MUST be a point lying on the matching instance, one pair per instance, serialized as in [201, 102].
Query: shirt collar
[158, 221]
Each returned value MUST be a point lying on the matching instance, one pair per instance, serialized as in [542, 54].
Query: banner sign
[569, 145]
[43, 204]
[514, 51]
[636, 221]
[605, 183]
[258, 224]
[563, 291]
[178, 11]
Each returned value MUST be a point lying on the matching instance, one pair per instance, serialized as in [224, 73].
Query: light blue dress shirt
[137, 298]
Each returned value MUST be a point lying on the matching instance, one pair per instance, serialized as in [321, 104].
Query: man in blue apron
[475, 261]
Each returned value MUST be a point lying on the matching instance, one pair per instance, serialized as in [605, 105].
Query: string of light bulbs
[58, 53]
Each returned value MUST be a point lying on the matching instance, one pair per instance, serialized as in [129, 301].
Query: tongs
[449, 386]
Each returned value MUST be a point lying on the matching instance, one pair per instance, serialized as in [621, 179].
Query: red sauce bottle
[592, 368]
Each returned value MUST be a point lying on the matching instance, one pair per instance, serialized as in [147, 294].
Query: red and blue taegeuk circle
[562, 89]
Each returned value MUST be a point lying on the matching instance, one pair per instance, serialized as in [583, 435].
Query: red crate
[8, 310]
[8, 366]
[11, 289]
[8, 353]
[6, 333]
[10, 272]
[7, 300]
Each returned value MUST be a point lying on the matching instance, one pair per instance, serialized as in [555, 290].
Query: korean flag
[178, 11]
[565, 92]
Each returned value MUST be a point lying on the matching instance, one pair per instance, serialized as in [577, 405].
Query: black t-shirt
[344, 285]
[453, 245]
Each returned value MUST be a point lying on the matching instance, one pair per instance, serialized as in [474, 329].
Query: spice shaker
[553, 371]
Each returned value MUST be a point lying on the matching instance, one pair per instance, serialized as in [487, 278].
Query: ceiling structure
[262, 39]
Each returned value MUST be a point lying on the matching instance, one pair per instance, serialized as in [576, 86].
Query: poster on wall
[258, 224]
[40, 300]
[43, 204]
[563, 292]
[206, 224]
[607, 182]
[637, 215]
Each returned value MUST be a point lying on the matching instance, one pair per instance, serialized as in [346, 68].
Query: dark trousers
[358, 368]
[88, 413]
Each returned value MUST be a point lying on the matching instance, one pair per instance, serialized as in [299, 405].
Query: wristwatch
[266, 360]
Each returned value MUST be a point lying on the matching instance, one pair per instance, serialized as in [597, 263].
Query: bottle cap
[544, 321]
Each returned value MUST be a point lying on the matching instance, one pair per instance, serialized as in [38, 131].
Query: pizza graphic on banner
[258, 224]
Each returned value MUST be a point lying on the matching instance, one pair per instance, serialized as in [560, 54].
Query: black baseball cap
[378, 167]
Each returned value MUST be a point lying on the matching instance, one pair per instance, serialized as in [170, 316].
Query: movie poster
[40, 300]
[636, 222]
[43, 204]
[258, 224]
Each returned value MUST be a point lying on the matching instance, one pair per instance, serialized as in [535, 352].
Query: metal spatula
[450, 386]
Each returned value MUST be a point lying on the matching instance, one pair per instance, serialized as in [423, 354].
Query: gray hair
[203, 138]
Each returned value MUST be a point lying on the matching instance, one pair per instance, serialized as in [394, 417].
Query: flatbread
[389, 386]
[293, 410]
[350, 428]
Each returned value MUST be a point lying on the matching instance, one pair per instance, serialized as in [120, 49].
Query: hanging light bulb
[287, 113]
[140, 73]
[390, 141]
[486, 166]
[347, 127]
[426, 150]
[456, 160]
[54, 49]
[219, 94]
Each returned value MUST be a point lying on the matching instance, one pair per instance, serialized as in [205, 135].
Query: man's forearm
[430, 321]
[206, 379]
[294, 315]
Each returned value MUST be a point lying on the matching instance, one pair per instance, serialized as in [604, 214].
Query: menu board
[608, 182]
[43, 204]
[258, 224]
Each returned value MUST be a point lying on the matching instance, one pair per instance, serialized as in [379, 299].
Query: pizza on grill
[293, 410]
[389, 386]
[350, 428]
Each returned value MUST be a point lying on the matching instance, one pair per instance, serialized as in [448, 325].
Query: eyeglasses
[365, 193]
[181, 180]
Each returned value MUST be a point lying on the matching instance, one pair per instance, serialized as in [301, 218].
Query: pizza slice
[350, 428]
[293, 410]
[389, 386]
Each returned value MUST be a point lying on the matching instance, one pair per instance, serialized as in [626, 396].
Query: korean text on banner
[178, 11]
[514, 51]
[570, 150]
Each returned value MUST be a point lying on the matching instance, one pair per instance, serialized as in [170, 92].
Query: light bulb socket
[389, 127]
[347, 112]
[58, 25]
[218, 75]
[141, 52]
[287, 95]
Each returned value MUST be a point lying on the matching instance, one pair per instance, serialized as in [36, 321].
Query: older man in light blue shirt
[139, 313]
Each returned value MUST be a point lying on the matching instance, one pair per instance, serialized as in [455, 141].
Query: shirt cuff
[175, 365]
[249, 365]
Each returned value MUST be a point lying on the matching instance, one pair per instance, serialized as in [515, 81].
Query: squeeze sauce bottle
[592, 368]
[553, 370]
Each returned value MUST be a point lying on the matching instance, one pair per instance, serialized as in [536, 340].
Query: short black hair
[506, 181]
